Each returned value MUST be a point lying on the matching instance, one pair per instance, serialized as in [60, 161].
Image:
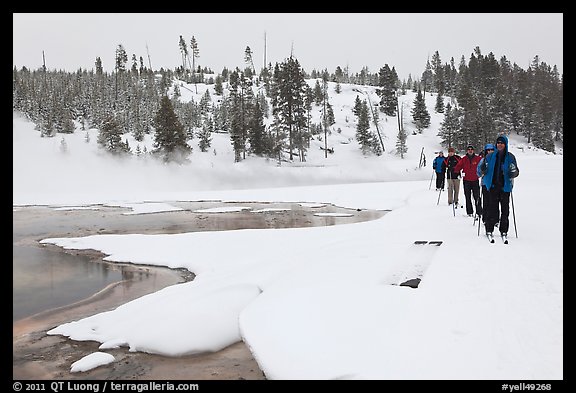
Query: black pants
[440, 180]
[472, 187]
[485, 204]
[498, 200]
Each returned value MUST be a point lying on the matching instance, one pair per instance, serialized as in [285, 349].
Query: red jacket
[468, 164]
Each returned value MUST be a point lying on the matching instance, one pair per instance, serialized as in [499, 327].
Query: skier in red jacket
[468, 164]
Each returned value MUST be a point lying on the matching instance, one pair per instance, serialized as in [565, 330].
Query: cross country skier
[440, 169]
[499, 170]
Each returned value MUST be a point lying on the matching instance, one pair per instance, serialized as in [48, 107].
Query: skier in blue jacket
[499, 169]
[488, 148]
[440, 169]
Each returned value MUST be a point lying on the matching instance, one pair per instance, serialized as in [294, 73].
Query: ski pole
[453, 206]
[440, 192]
[430, 186]
[477, 204]
[480, 217]
[513, 214]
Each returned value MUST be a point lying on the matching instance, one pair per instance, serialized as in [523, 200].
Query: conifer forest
[267, 112]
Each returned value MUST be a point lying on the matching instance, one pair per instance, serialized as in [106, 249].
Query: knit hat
[501, 139]
[489, 146]
[451, 150]
[470, 147]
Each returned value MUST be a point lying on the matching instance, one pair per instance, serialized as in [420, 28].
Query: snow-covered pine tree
[170, 141]
[387, 82]
[450, 126]
[363, 135]
[110, 136]
[420, 114]
[205, 134]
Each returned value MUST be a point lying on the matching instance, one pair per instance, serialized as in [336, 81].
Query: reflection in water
[46, 277]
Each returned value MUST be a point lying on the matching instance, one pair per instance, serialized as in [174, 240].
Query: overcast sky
[318, 40]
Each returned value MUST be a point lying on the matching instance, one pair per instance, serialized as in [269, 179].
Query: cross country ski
[431, 242]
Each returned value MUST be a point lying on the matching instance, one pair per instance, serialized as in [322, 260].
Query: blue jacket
[509, 168]
[437, 164]
[479, 172]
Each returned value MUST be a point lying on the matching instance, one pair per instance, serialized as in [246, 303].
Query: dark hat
[451, 150]
[470, 147]
[501, 139]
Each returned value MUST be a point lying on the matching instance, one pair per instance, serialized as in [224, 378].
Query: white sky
[319, 40]
[324, 302]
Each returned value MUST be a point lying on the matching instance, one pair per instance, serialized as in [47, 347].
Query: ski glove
[514, 171]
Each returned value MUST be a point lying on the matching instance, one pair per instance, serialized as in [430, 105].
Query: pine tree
[330, 118]
[387, 92]
[195, 54]
[558, 119]
[249, 61]
[257, 132]
[184, 51]
[221, 117]
[126, 147]
[338, 75]
[363, 129]
[542, 137]
[439, 80]
[205, 102]
[176, 92]
[375, 144]
[401, 147]
[439, 107]
[134, 68]
[318, 94]
[450, 127]
[218, 90]
[420, 114]
[357, 106]
[289, 104]
[266, 78]
[427, 78]
[205, 135]
[110, 136]
[170, 137]
[120, 68]
[263, 102]
[242, 102]
[325, 111]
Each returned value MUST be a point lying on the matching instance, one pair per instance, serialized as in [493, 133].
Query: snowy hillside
[79, 156]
